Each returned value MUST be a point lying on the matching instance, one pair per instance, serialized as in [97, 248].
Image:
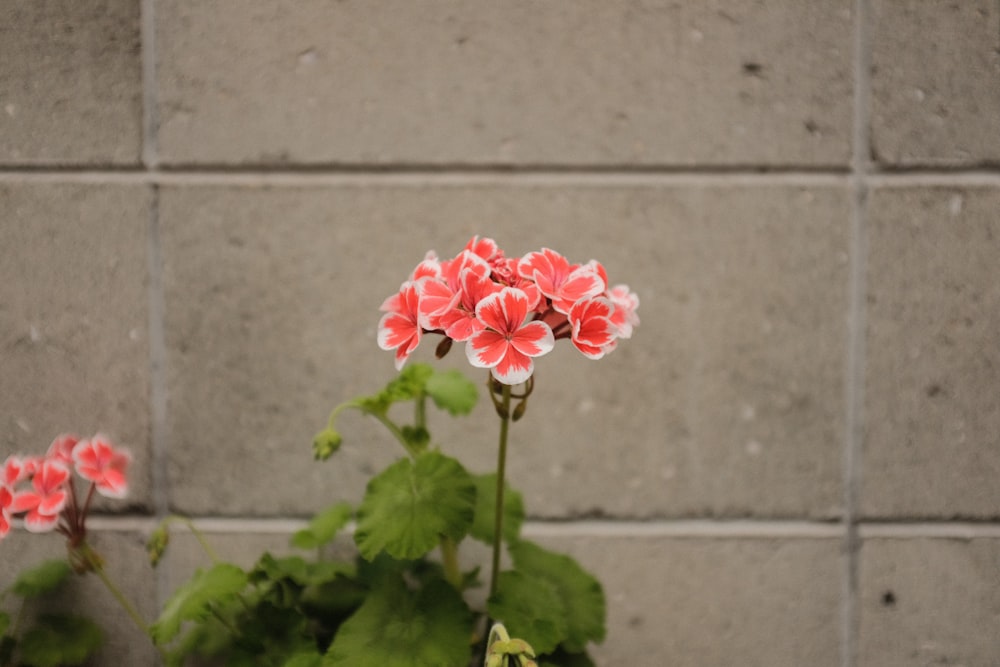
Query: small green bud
[326, 443]
[157, 544]
[519, 410]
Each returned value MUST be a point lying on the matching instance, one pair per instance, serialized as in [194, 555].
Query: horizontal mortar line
[934, 179]
[472, 178]
[422, 179]
[945, 530]
[694, 528]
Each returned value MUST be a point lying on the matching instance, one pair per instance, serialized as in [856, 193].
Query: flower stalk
[503, 411]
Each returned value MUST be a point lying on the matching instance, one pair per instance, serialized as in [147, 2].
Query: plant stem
[96, 564]
[198, 535]
[396, 431]
[504, 414]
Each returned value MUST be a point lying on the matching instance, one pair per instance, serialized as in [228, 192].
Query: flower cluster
[41, 488]
[507, 310]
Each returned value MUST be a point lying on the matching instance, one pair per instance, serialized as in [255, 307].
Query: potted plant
[403, 599]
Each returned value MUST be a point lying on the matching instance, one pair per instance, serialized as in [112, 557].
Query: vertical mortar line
[150, 118]
[854, 384]
[157, 339]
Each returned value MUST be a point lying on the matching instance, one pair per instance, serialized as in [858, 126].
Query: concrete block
[935, 83]
[126, 565]
[929, 602]
[727, 401]
[557, 83]
[70, 83]
[694, 602]
[932, 447]
[74, 320]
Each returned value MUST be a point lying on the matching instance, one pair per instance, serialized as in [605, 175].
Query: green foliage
[59, 640]
[449, 390]
[580, 592]
[550, 601]
[41, 579]
[531, 608]
[323, 527]
[513, 510]
[196, 600]
[453, 392]
[399, 627]
[411, 504]
[398, 603]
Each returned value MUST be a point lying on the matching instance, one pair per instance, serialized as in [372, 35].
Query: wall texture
[795, 461]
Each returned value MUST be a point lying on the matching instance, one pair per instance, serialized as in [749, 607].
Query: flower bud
[326, 443]
[157, 544]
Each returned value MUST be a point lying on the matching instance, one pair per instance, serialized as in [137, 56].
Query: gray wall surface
[794, 461]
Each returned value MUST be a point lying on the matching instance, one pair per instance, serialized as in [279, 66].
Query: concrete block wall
[793, 462]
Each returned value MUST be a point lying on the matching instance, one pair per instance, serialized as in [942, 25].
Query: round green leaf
[410, 505]
[397, 627]
[579, 591]
[530, 608]
[452, 391]
[41, 579]
[58, 640]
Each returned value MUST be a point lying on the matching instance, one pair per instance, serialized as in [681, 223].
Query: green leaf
[418, 437]
[409, 505]
[42, 579]
[579, 591]
[323, 527]
[191, 602]
[396, 627]
[531, 608]
[513, 510]
[304, 660]
[4, 623]
[410, 382]
[60, 640]
[452, 391]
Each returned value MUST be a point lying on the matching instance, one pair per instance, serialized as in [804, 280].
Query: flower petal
[486, 349]
[533, 339]
[36, 522]
[514, 368]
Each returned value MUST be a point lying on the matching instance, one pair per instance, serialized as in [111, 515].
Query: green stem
[200, 536]
[97, 566]
[504, 414]
[396, 431]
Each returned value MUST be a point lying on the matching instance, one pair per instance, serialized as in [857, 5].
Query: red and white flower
[61, 448]
[626, 303]
[544, 298]
[17, 469]
[98, 461]
[46, 499]
[560, 281]
[438, 297]
[459, 321]
[592, 329]
[399, 329]
[6, 497]
[508, 343]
